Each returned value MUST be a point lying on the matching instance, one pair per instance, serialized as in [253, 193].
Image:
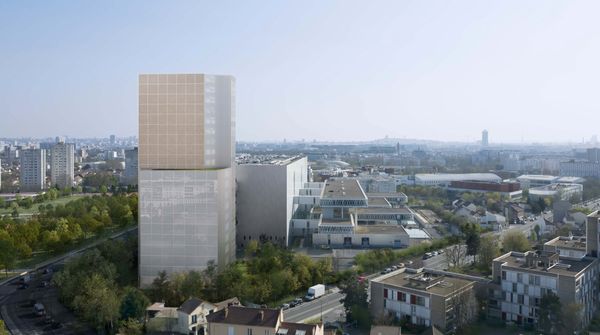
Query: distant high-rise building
[484, 138]
[62, 165]
[113, 139]
[186, 172]
[130, 175]
[33, 170]
[593, 155]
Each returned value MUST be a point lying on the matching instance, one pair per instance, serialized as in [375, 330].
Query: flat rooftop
[566, 267]
[456, 176]
[379, 203]
[426, 282]
[380, 229]
[344, 188]
[417, 233]
[377, 210]
[538, 177]
[575, 243]
[266, 159]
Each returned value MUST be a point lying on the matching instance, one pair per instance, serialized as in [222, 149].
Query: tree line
[265, 275]
[57, 228]
[99, 286]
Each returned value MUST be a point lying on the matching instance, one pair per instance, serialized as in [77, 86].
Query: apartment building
[566, 266]
[130, 175]
[580, 169]
[186, 172]
[33, 170]
[266, 187]
[62, 165]
[238, 320]
[423, 298]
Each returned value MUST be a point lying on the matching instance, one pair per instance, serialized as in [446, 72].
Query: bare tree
[455, 255]
[463, 308]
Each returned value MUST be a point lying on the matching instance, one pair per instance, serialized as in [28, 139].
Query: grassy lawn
[39, 257]
[4, 275]
[35, 208]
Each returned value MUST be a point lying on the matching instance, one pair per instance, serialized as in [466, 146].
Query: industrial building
[266, 188]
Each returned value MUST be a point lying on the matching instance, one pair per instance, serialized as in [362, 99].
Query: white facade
[580, 169]
[265, 199]
[63, 164]
[444, 179]
[130, 175]
[186, 173]
[33, 170]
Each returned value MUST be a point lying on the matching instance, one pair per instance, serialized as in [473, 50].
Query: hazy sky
[330, 70]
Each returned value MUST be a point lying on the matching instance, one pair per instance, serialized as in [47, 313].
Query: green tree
[355, 301]
[571, 318]
[131, 327]
[98, 302]
[537, 229]
[103, 189]
[3, 330]
[160, 287]
[472, 240]
[133, 304]
[488, 250]
[515, 241]
[549, 314]
[8, 252]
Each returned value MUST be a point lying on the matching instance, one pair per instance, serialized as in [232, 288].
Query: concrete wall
[265, 200]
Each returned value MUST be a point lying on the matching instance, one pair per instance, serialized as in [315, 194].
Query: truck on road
[315, 292]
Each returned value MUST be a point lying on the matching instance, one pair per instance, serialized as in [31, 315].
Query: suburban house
[239, 320]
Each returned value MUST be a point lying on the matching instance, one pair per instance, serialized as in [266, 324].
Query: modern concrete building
[62, 165]
[348, 218]
[265, 198]
[130, 175]
[556, 192]
[531, 180]
[423, 298]
[444, 179]
[186, 172]
[33, 170]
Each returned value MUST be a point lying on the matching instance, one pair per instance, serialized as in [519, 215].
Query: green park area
[35, 207]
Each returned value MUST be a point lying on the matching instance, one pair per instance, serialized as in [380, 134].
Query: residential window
[514, 287]
[503, 275]
[526, 289]
[385, 293]
[520, 300]
[519, 277]
[230, 331]
[402, 296]
[194, 319]
[249, 331]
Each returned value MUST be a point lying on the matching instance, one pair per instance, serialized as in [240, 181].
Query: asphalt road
[328, 305]
[16, 308]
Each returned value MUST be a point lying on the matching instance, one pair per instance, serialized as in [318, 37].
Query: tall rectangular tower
[33, 170]
[62, 166]
[186, 172]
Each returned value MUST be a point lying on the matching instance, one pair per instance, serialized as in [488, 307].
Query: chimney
[261, 314]
[226, 311]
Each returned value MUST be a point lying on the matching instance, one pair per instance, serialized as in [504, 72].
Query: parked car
[440, 252]
[39, 309]
[285, 306]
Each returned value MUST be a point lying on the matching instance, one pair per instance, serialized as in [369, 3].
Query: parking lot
[31, 306]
